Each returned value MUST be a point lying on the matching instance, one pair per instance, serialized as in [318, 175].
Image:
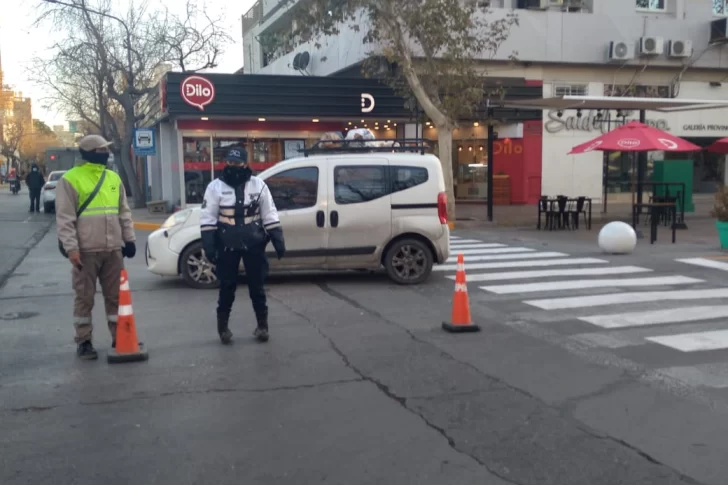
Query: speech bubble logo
[365, 97]
[197, 91]
[593, 146]
[628, 143]
[668, 144]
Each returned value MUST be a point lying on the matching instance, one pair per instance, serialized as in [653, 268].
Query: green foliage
[431, 46]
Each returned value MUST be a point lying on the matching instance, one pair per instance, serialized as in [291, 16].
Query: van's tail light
[442, 207]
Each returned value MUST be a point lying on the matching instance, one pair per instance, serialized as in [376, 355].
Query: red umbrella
[720, 146]
[636, 137]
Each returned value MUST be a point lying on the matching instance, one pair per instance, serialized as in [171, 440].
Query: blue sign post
[144, 142]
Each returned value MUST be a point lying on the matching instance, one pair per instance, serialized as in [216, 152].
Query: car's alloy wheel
[408, 262]
[196, 270]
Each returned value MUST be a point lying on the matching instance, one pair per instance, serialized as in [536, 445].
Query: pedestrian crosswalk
[619, 297]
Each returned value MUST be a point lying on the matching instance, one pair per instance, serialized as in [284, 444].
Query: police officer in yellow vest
[95, 231]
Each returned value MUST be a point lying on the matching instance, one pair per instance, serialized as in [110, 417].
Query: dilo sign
[197, 91]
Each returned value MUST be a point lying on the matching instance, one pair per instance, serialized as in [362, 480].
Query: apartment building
[639, 48]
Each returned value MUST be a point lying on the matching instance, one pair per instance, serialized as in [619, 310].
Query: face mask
[35, 169]
[96, 157]
[235, 176]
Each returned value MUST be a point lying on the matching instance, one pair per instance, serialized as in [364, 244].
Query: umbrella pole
[635, 214]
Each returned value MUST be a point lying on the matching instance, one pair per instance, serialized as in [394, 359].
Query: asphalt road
[19, 229]
[358, 385]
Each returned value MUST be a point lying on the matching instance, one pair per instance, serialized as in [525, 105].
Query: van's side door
[300, 197]
[359, 211]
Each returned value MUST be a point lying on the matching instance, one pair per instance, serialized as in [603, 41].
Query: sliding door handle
[320, 219]
[334, 216]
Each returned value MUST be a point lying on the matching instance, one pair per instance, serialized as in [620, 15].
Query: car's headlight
[177, 218]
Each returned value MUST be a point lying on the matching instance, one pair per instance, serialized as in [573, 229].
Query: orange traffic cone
[128, 347]
[460, 321]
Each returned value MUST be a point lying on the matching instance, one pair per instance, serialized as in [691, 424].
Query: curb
[147, 226]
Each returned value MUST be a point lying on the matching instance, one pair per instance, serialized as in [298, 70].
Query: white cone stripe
[466, 241]
[606, 299]
[460, 267]
[125, 310]
[496, 257]
[455, 247]
[582, 284]
[515, 275]
[523, 264]
[124, 286]
[706, 263]
[694, 342]
[491, 251]
[658, 317]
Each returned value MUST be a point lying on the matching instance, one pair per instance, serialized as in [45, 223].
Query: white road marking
[454, 247]
[581, 284]
[515, 275]
[492, 257]
[521, 264]
[706, 263]
[492, 251]
[624, 298]
[454, 237]
[658, 317]
[465, 241]
[694, 342]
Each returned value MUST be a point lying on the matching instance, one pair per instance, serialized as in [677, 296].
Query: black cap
[237, 155]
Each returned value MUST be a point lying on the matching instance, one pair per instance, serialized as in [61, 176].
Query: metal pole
[491, 135]
[641, 163]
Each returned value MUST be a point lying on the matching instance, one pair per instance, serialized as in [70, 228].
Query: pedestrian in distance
[95, 232]
[238, 218]
[35, 182]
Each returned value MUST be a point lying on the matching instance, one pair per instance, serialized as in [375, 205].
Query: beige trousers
[106, 268]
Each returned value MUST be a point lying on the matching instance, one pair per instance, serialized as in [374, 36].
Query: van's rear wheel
[408, 262]
[196, 270]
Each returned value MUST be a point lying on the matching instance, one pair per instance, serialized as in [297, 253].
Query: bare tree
[107, 61]
[13, 134]
[432, 44]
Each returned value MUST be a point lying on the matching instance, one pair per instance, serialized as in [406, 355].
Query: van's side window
[404, 178]
[294, 189]
[358, 183]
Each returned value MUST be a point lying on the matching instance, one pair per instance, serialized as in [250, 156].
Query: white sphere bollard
[617, 238]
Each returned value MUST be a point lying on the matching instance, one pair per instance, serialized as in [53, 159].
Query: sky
[16, 29]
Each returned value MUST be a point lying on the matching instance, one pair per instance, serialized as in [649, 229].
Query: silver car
[48, 195]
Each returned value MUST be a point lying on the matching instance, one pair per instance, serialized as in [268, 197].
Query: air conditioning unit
[680, 48]
[534, 4]
[620, 51]
[651, 46]
[718, 31]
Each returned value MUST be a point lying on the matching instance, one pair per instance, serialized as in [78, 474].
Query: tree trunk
[444, 140]
[127, 165]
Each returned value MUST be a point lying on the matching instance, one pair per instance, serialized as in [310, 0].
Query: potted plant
[720, 212]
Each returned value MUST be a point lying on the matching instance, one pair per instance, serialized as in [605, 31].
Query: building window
[650, 4]
[294, 189]
[198, 168]
[636, 91]
[571, 90]
[720, 7]
[357, 184]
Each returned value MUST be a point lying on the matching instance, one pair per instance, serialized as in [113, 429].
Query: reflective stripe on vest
[84, 179]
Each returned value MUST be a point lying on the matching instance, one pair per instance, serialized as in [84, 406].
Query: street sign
[144, 143]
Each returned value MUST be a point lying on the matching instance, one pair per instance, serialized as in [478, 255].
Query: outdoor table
[654, 210]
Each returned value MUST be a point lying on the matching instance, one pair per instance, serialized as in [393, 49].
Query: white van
[339, 211]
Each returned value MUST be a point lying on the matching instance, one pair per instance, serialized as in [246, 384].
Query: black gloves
[208, 245]
[276, 237]
[129, 250]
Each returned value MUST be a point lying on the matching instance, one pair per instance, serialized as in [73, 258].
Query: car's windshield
[55, 176]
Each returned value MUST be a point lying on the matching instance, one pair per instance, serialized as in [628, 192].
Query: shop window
[404, 178]
[658, 5]
[357, 184]
[571, 90]
[198, 168]
[294, 189]
[720, 7]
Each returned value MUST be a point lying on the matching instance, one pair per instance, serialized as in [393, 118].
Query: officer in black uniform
[237, 220]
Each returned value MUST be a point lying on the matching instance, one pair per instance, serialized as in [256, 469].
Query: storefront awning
[664, 105]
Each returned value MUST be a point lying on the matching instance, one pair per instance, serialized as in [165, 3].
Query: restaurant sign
[591, 121]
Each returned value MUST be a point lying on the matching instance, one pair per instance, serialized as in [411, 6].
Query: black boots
[226, 336]
[261, 332]
[86, 351]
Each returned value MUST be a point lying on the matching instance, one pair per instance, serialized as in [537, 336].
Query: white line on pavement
[581, 284]
[521, 264]
[658, 317]
[491, 251]
[466, 241]
[693, 342]
[494, 257]
[624, 298]
[706, 263]
[454, 247]
[514, 275]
